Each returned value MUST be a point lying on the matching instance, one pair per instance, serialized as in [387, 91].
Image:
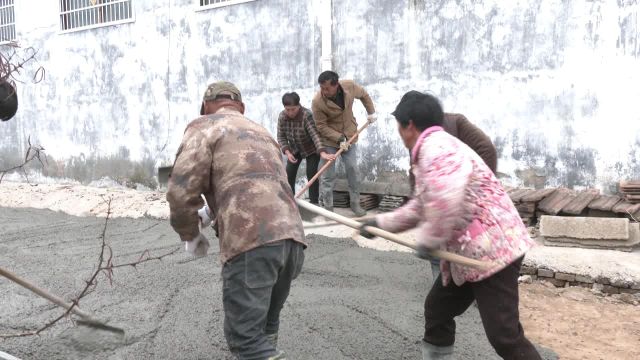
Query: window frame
[11, 6]
[97, 25]
[219, 5]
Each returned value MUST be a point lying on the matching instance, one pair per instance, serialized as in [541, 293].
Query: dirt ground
[575, 322]
[578, 324]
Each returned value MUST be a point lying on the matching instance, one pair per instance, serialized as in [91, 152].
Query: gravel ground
[348, 303]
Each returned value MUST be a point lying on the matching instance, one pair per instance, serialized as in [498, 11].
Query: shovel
[86, 319]
[444, 255]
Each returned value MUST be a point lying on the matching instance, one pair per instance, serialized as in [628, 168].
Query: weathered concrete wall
[130, 89]
[554, 83]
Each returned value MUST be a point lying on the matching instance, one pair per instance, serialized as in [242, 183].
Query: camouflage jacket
[237, 166]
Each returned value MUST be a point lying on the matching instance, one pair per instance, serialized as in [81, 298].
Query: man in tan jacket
[332, 109]
[236, 165]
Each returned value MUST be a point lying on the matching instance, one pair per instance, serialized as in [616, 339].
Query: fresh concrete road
[348, 303]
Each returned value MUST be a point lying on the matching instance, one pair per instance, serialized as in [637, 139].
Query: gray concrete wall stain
[549, 81]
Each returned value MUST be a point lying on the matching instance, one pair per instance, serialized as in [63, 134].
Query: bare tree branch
[9, 66]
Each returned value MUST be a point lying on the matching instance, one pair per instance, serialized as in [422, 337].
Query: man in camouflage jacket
[236, 165]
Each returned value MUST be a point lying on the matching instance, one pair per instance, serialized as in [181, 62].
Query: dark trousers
[497, 298]
[255, 287]
[312, 169]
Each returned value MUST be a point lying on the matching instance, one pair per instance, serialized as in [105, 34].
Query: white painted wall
[553, 82]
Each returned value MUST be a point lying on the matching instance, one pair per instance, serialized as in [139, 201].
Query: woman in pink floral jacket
[459, 206]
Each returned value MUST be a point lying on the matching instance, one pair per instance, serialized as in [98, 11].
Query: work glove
[371, 118]
[365, 233]
[344, 144]
[198, 246]
[205, 217]
[423, 252]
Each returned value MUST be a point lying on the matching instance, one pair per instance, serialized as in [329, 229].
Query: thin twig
[9, 67]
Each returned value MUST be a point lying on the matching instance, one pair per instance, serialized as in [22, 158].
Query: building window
[209, 4]
[7, 22]
[87, 14]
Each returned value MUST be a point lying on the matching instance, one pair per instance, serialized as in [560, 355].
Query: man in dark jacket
[237, 166]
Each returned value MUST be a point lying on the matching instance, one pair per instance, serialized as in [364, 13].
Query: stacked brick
[600, 283]
[630, 191]
[367, 201]
[532, 204]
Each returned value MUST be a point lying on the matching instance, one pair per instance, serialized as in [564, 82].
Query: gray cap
[214, 90]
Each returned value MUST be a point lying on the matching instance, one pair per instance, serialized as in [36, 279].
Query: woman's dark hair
[328, 76]
[291, 99]
[423, 109]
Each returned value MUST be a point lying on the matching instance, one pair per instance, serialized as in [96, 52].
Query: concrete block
[528, 270]
[622, 283]
[608, 289]
[584, 279]
[597, 287]
[609, 244]
[629, 291]
[565, 276]
[600, 279]
[636, 286]
[584, 227]
[556, 282]
[545, 273]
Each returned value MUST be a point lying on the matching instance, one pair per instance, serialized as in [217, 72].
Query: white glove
[372, 117]
[205, 217]
[344, 146]
[198, 246]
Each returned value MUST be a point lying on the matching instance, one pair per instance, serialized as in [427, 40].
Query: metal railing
[7, 22]
[86, 14]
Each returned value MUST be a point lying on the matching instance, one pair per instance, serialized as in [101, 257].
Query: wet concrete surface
[348, 303]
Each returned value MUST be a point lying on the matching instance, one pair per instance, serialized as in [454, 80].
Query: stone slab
[584, 227]
[565, 276]
[545, 273]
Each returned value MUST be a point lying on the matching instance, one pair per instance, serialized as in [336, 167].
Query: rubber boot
[273, 339]
[279, 356]
[354, 201]
[432, 352]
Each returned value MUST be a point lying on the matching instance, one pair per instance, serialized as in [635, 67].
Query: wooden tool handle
[43, 293]
[328, 163]
[444, 255]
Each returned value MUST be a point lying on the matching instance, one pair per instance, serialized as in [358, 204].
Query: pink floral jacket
[459, 206]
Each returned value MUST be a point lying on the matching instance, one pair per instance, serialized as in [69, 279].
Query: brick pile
[630, 190]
